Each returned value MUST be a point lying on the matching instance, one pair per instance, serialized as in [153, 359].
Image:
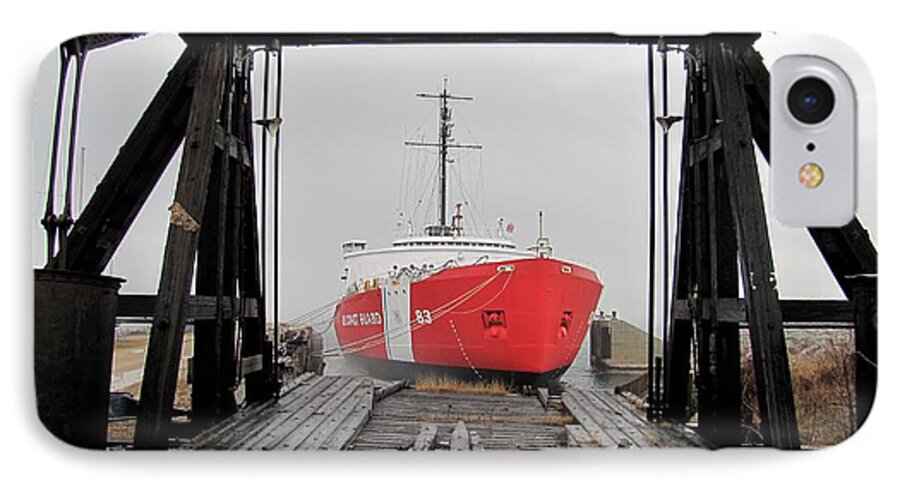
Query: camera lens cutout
[810, 100]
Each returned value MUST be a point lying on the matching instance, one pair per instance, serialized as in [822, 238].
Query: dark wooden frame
[733, 72]
[720, 213]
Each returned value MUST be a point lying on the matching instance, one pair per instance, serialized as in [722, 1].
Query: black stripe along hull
[387, 369]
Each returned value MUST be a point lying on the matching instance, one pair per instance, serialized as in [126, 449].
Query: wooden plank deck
[607, 420]
[317, 412]
[341, 412]
[419, 420]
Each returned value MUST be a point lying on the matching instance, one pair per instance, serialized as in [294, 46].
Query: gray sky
[564, 130]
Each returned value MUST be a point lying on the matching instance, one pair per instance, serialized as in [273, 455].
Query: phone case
[343, 241]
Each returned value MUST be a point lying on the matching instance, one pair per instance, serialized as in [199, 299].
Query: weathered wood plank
[757, 270]
[336, 418]
[865, 299]
[426, 437]
[140, 306]
[681, 332]
[604, 411]
[390, 389]
[807, 313]
[289, 414]
[616, 416]
[164, 349]
[313, 420]
[501, 422]
[476, 444]
[654, 432]
[292, 417]
[257, 421]
[351, 428]
[581, 414]
[601, 416]
[208, 439]
[543, 396]
[576, 436]
[135, 171]
[459, 440]
[344, 422]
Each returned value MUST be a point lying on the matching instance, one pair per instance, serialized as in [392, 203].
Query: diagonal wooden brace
[164, 350]
[770, 359]
[135, 171]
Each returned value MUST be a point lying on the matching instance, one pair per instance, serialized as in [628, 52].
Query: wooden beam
[390, 389]
[678, 388]
[459, 439]
[211, 398]
[774, 386]
[799, 311]
[707, 251]
[425, 438]
[135, 171]
[186, 218]
[756, 88]
[141, 306]
[722, 414]
[816, 311]
[701, 148]
[213, 364]
[233, 147]
[848, 251]
[259, 384]
[866, 336]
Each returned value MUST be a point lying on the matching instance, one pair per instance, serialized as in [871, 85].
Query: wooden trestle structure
[722, 238]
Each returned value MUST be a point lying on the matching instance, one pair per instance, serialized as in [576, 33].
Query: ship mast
[445, 142]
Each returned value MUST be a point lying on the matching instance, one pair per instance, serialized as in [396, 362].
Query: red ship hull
[520, 320]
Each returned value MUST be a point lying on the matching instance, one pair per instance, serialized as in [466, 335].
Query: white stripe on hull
[397, 333]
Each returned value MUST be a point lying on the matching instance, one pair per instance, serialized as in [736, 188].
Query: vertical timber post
[723, 416]
[211, 397]
[680, 338]
[773, 378]
[708, 249]
[251, 275]
[186, 215]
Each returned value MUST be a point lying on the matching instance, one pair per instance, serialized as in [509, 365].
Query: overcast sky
[564, 130]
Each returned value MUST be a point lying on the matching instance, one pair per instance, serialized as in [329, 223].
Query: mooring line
[379, 338]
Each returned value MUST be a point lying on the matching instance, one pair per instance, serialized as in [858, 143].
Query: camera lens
[810, 100]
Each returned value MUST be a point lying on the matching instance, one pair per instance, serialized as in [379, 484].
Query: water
[581, 375]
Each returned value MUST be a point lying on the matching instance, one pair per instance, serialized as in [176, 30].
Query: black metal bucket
[74, 335]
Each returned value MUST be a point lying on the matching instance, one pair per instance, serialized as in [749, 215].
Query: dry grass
[824, 390]
[129, 354]
[120, 430]
[452, 385]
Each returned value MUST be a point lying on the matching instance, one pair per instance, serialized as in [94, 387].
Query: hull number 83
[423, 317]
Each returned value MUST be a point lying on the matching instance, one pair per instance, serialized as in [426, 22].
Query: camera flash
[811, 175]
